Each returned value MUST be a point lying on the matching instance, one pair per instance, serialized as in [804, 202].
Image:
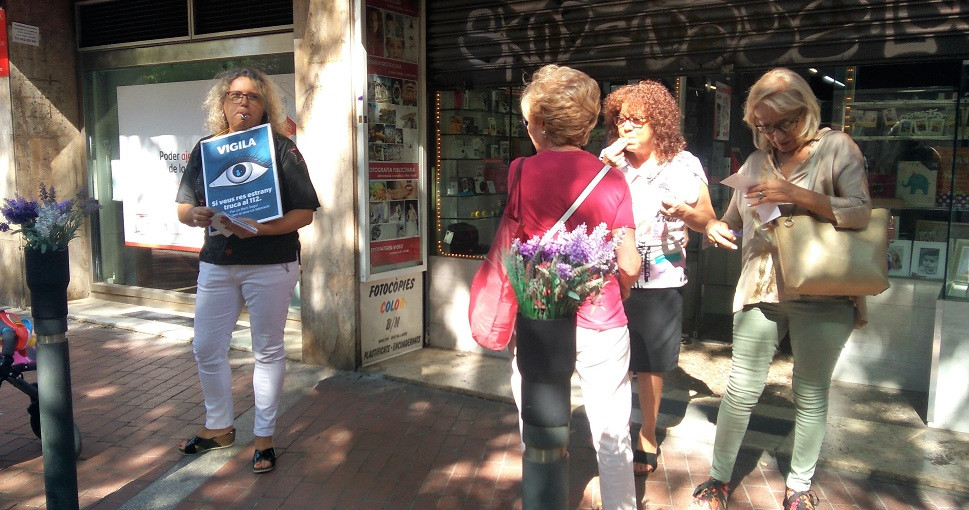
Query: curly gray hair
[273, 111]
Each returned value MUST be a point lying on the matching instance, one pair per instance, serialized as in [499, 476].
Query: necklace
[797, 156]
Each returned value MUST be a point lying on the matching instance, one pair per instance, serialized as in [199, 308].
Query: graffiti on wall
[677, 36]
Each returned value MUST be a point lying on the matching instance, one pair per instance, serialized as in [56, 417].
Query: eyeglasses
[636, 122]
[236, 97]
[783, 126]
[524, 122]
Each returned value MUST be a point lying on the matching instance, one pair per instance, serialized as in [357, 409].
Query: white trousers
[602, 363]
[266, 291]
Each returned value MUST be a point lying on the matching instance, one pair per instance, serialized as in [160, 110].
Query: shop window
[478, 132]
[912, 132]
[140, 137]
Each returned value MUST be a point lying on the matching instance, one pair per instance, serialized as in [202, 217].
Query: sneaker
[800, 500]
[711, 495]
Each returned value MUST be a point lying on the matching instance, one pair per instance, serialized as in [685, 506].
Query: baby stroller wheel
[34, 411]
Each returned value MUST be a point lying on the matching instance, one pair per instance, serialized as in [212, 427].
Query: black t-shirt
[296, 192]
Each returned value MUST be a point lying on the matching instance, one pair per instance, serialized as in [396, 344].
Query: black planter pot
[546, 360]
[48, 275]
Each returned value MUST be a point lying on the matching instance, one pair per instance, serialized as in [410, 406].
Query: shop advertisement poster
[394, 308]
[394, 206]
[239, 171]
[4, 53]
[158, 125]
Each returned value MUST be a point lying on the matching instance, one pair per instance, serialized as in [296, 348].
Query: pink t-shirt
[550, 182]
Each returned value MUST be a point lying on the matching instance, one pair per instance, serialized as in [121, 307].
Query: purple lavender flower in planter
[46, 224]
[19, 210]
[554, 275]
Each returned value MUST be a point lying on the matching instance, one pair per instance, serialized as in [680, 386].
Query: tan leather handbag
[817, 259]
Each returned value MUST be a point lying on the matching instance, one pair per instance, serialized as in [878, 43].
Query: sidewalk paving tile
[354, 441]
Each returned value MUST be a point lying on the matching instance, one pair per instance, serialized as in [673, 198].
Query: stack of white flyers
[241, 180]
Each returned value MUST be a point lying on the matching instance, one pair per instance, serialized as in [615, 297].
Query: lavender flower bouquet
[553, 278]
[47, 225]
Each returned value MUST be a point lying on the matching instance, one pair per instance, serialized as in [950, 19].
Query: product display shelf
[478, 132]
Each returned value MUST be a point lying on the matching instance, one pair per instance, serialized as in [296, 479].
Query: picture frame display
[938, 231]
[959, 270]
[899, 257]
[928, 259]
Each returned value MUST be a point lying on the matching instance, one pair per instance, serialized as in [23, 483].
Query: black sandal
[199, 445]
[264, 455]
[643, 457]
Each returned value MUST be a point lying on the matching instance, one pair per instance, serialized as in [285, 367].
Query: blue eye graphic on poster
[240, 174]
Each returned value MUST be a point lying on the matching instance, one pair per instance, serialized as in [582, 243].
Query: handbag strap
[578, 201]
[515, 187]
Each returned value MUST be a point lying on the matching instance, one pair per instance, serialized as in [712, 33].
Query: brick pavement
[133, 395]
[354, 441]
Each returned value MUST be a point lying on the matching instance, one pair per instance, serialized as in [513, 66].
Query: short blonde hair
[273, 111]
[786, 93]
[566, 100]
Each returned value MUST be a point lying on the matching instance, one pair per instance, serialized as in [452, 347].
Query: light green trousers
[819, 328]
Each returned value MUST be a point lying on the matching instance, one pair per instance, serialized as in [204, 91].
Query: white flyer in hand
[739, 181]
[220, 228]
[766, 211]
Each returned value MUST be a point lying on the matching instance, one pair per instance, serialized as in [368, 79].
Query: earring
[543, 132]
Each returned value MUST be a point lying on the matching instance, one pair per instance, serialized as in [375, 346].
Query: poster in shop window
[4, 58]
[394, 209]
[158, 125]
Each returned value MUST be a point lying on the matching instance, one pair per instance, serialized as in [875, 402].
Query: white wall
[949, 389]
[447, 304]
[895, 349]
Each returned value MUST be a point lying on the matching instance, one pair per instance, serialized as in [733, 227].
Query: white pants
[266, 290]
[602, 362]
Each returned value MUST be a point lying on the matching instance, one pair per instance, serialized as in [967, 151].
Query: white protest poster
[395, 312]
[240, 174]
[158, 125]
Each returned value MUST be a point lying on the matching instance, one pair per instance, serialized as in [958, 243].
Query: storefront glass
[126, 253]
[905, 123]
[909, 124]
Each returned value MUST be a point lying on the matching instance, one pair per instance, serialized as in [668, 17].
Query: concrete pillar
[40, 132]
[326, 137]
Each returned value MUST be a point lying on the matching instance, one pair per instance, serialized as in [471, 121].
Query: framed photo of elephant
[916, 183]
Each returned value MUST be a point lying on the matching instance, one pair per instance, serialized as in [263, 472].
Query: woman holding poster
[257, 266]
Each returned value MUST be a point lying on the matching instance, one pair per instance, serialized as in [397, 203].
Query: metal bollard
[56, 414]
[545, 468]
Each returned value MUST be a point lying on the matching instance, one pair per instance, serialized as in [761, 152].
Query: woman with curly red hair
[669, 192]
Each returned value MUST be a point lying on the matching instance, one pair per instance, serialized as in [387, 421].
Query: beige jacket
[841, 174]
